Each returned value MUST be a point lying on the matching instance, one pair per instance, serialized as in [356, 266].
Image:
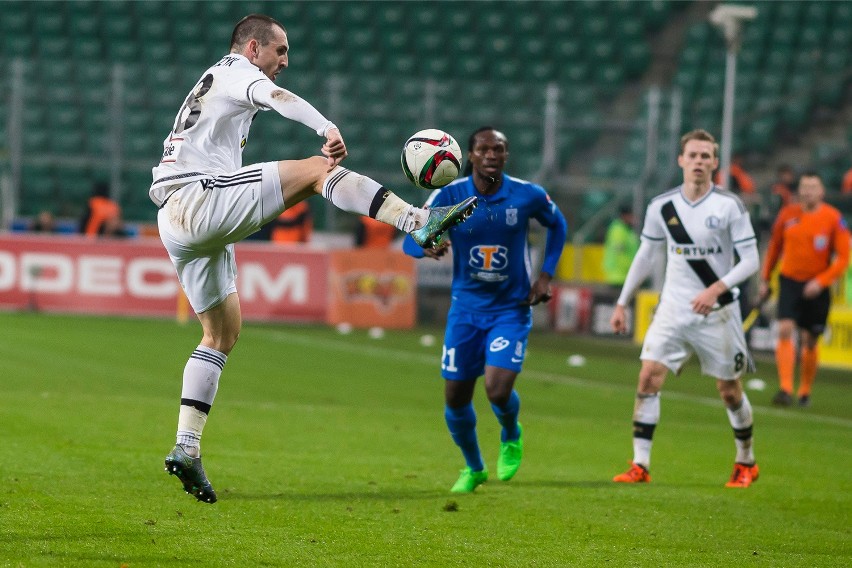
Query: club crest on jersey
[511, 217]
[489, 257]
[498, 344]
[673, 221]
[712, 222]
[820, 242]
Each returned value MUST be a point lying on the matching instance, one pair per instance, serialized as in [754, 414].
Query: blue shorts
[472, 341]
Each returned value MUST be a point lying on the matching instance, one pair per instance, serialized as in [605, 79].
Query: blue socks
[462, 425]
[507, 416]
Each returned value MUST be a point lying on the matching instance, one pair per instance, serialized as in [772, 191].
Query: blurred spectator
[374, 234]
[620, 246]
[44, 223]
[846, 185]
[101, 210]
[741, 180]
[785, 185]
[114, 227]
[294, 225]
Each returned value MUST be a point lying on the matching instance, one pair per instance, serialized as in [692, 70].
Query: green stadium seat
[155, 10]
[87, 48]
[217, 13]
[636, 58]
[196, 57]
[17, 46]
[604, 167]
[54, 48]
[609, 78]
[48, 23]
[761, 135]
[796, 112]
[393, 17]
[16, 19]
[602, 50]
[38, 189]
[567, 49]
[117, 26]
[595, 27]
[786, 12]
[656, 13]
[156, 51]
[573, 71]
[122, 50]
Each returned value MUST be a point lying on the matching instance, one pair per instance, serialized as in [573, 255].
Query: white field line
[388, 353]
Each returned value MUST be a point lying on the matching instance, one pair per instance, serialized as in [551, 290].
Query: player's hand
[703, 303]
[438, 250]
[812, 289]
[618, 320]
[334, 148]
[540, 293]
[763, 292]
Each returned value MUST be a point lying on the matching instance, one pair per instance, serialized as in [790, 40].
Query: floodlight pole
[729, 18]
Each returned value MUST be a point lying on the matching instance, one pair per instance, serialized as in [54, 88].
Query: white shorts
[718, 340]
[200, 223]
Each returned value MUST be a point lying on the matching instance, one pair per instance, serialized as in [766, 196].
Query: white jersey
[212, 126]
[700, 239]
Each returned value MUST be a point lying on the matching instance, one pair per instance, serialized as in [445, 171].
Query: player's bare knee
[499, 394]
[651, 377]
[731, 392]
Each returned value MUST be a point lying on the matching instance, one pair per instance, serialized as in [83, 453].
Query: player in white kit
[208, 201]
[700, 226]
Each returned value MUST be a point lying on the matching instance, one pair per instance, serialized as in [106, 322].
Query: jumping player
[812, 240]
[700, 226]
[492, 291]
[208, 201]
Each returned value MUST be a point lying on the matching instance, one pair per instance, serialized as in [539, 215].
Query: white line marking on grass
[350, 346]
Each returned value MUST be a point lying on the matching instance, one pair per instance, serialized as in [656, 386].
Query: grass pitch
[330, 450]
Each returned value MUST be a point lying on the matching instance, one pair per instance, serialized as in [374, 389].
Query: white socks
[359, 194]
[741, 421]
[646, 414]
[200, 382]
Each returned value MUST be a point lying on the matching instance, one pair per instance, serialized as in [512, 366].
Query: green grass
[328, 450]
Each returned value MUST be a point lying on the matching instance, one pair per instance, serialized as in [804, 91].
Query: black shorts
[809, 314]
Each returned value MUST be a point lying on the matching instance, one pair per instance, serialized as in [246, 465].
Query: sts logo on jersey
[489, 261]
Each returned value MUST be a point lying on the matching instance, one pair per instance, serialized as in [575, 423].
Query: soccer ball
[431, 158]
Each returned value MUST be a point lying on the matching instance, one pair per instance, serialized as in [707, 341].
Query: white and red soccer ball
[431, 158]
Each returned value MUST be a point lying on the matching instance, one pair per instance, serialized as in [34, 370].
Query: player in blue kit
[492, 294]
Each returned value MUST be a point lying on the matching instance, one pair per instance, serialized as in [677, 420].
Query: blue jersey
[491, 259]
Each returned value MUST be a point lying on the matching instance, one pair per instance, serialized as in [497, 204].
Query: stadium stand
[384, 70]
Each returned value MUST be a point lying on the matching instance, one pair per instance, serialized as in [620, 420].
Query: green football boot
[441, 219]
[511, 453]
[469, 480]
[191, 474]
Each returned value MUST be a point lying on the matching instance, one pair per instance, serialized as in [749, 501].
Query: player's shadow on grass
[565, 483]
[344, 496]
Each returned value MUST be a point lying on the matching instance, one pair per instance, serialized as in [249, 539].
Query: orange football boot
[743, 475]
[636, 474]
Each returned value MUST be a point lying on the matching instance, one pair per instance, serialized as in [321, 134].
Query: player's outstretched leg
[190, 473]
[440, 219]
[359, 194]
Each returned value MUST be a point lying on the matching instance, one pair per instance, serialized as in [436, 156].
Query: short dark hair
[702, 135]
[254, 26]
[468, 167]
